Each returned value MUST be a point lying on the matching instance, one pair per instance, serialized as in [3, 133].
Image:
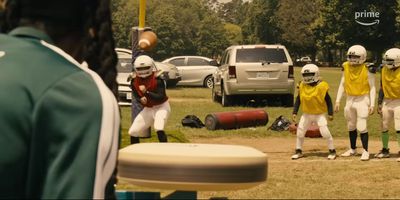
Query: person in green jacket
[59, 120]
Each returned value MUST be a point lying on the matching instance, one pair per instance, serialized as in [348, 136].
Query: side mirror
[214, 63]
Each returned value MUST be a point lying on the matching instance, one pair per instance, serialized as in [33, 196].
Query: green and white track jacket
[59, 123]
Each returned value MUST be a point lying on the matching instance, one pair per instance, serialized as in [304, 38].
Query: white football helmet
[392, 58]
[310, 73]
[144, 66]
[356, 55]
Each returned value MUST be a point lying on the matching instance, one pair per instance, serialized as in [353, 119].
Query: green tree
[183, 27]
[259, 26]
[376, 38]
[327, 28]
[125, 16]
[211, 39]
[233, 11]
[293, 21]
[337, 28]
[233, 33]
[171, 37]
[186, 27]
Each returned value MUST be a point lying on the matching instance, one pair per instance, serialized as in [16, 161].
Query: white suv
[257, 72]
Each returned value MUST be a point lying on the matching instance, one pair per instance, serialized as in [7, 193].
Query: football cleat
[350, 152]
[298, 154]
[384, 153]
[332, 154]
[364, 156]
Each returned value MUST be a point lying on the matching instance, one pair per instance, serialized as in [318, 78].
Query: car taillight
[232, 72]
[291, 72]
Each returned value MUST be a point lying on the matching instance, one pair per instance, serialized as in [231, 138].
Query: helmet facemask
[354, 59]
[144, 66]
[391, 59]
[356, 55]
[144, 71]
[310, 73]
[308, 78]
[389, 63]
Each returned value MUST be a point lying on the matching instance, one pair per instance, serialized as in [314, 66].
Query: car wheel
[208, 82]
[226, 99]
[287, 100]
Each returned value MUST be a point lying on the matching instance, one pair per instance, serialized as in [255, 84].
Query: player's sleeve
[340, 92]
[381, 94]
[160, 93]
[328, 102]
[372, 89]
[296, 105]
[135, 94]
[75, 141]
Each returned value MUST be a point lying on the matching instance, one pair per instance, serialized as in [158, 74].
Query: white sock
[330, 143]
[299, 143]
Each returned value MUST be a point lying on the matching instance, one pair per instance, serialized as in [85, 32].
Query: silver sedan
[195, 70]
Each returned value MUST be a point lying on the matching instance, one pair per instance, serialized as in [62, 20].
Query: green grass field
[311, 177]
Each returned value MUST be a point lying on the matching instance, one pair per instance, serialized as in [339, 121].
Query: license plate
[262, 75]
[129, 95]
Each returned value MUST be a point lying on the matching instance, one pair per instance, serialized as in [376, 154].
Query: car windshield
[124, 66]
[273, 55]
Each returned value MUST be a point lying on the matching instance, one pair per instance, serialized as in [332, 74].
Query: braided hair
[90, 18]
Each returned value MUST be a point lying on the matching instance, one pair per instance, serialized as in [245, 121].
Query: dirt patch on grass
[283, 148]
[315, 177]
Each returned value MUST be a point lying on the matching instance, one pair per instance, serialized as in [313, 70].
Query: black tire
[226, 100]
[208, 81]
[214, 95]
[288, 100]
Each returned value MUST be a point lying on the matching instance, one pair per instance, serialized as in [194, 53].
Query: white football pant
[390, 111]
[304, 124]
[356, 112]
[156, 116]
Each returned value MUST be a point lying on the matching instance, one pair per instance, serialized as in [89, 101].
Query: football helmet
[310, 73]
[392, 58]
[356, 55]
[144, 66]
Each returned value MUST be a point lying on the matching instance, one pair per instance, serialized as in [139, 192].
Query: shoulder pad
[298, 84]
[131, 77]
[162, 75]
[324, 83]
[371, 67]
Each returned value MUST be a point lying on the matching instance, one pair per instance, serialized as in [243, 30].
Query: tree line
[322, 29]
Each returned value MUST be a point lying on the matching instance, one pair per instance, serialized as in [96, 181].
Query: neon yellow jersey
[312, 98]
[391, 83]
[355, 79]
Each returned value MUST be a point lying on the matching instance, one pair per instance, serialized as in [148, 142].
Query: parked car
[254, 72]
[195, 70]
[125, 68]
[303, 60]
